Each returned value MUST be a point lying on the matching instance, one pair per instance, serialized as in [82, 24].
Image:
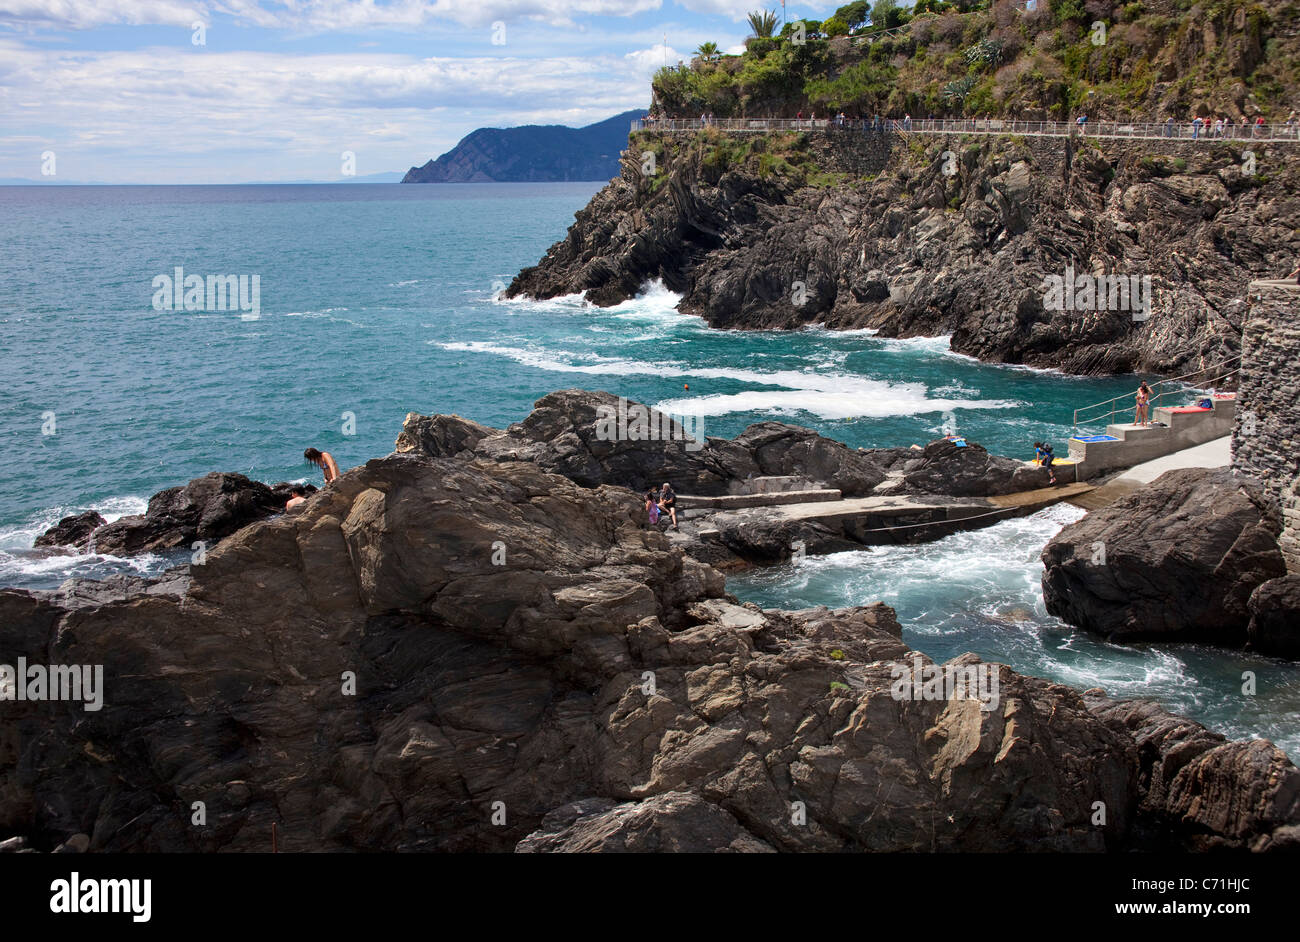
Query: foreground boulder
[207, 508]
[451, 654]
[1177, 560]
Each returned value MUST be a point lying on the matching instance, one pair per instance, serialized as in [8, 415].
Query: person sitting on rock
[668, 503]
[297, 497]
[652, 508]
[1043, 455]
[1296, 272]
[323, 460]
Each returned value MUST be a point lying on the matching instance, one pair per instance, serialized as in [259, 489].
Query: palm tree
[763, 23]
[708, 51]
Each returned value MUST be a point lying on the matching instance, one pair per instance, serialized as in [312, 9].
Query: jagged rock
[72, 531]
[431, 641]
[1275, 617]
[207, 508]
[440, 436]
[944, 467]
[781, 449]
[1175, 560]
[676, 822]
[966, 253]
[1183, 773]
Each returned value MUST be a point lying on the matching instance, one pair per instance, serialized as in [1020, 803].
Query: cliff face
[534, 153]
[944, 235]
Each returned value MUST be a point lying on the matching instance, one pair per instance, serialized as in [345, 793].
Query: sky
[229, 91]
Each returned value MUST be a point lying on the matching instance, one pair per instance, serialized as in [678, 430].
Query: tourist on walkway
[1142, 415]
[1197, 124]
[1259, 126]
[907, 122]
[1169, 127]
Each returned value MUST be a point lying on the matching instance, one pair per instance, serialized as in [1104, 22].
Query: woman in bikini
[323, 460]
[1142, 415]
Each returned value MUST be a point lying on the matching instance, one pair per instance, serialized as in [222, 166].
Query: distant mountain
[532, 154]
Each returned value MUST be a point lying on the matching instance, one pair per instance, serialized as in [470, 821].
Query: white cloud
[312, 16]
[176, 115]
[87, 14]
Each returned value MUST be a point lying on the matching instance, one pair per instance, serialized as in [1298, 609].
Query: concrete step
[1129, 432]
[1175, 428]
[690, 502]
[772, 484]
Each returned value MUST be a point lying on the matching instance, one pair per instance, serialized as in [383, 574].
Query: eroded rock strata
[942, 235]
[521, 646]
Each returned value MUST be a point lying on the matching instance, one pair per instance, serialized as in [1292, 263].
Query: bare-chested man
[323, 460]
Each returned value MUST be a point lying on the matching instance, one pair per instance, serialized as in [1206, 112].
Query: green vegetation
[997, 59]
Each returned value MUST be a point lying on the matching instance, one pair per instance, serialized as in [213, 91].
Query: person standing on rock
[323, 460]
[1142, 414]
[668, 503]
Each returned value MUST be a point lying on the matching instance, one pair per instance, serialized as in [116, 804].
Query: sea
[377, 300]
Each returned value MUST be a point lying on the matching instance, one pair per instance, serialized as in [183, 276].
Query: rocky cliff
[468, 653]
[938, 235]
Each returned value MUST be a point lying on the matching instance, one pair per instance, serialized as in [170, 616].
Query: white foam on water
[20, 562]
[886, 400]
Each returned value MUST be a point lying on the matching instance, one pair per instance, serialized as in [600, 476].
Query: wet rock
[72, 531]
[1177, 559]
[1275, 617]
[207, 508]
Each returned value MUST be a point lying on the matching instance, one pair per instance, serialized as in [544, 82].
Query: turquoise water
[382, 299]
[980, 591]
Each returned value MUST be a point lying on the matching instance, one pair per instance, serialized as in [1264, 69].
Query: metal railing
[1126, 130]
[1175, 386]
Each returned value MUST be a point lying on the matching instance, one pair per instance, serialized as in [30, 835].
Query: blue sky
[120, 91]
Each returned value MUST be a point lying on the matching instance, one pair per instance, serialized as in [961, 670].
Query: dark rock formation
[1177, 559]
[1275, 617]
[72, 531]
[443, 654]
[918, 251]
[563, 434]
[532, 153]
[674, 822]
[1185, 776]
[207, 508]
[968, 470]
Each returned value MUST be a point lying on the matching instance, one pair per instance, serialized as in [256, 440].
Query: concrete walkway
[1212, 454]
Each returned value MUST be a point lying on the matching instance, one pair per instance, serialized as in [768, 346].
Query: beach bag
[1206, 404]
